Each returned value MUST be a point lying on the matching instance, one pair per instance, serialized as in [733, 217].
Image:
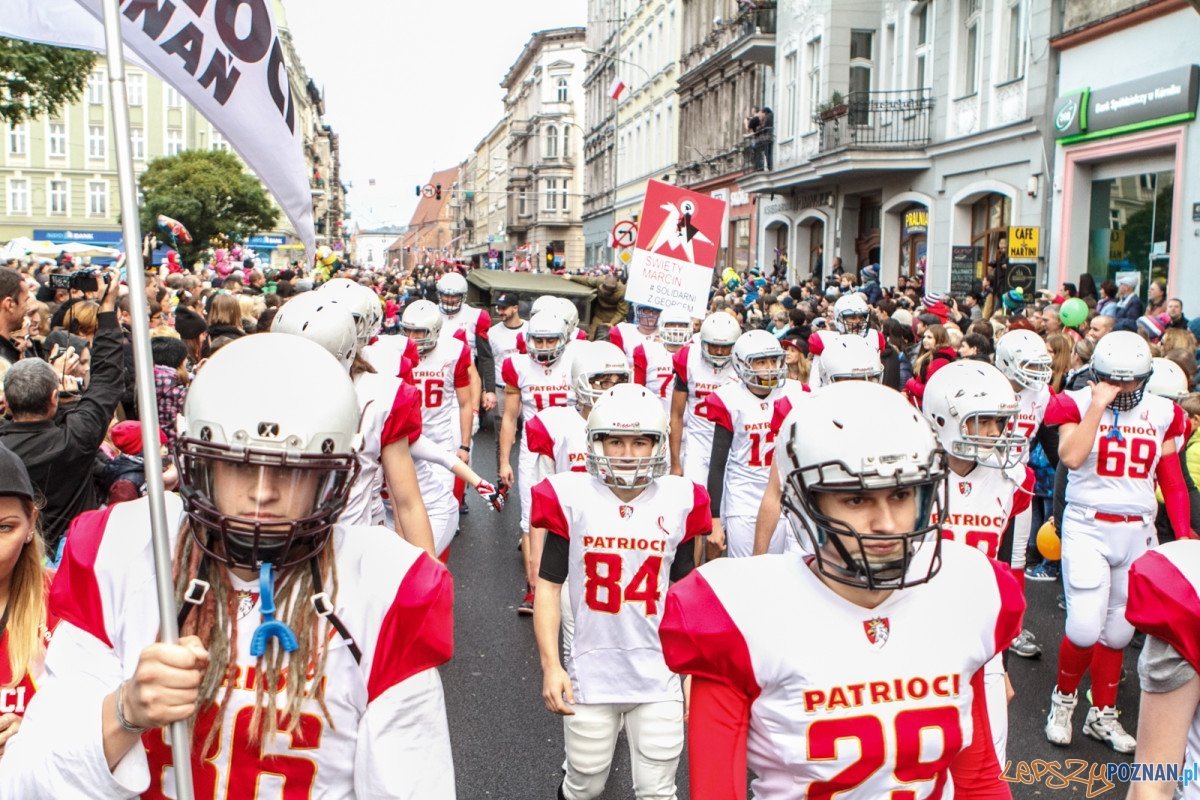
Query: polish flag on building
[617, 87]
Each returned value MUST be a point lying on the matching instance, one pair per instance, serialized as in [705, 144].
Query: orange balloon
[1048, 543]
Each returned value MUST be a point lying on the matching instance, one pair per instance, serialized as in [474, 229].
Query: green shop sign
[1162, 99]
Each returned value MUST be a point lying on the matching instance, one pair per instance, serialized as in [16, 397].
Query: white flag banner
[224, 56]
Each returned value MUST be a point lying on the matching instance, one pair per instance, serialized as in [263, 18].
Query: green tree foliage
[210, 193]
[37, 80]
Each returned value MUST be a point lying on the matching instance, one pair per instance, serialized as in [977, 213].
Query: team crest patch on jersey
[626, 512]
[877, 631]
[964, 488]
[246, 601]
[762, 406]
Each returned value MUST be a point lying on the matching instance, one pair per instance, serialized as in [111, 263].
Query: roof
[530, 283]
[536, 41]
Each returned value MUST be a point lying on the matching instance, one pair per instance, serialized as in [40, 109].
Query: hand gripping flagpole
[144, 370]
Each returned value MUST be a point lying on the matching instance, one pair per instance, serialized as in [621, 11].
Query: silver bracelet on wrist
[125, 724]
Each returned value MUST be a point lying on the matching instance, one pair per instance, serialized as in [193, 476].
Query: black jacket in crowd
[60, 453]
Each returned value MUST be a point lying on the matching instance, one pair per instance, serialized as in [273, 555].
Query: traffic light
[549, 255]
[437, 192]
[418, 190]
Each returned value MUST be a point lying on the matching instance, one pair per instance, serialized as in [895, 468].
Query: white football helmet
[317, 318]
[962, 397]
[547, 328]
[1023, 358]
[422, 322]
[647, 316]
[626, 410]
[1126, 357]
[569, 314]
[855, 437]
[452, 292]
[851, 314]
[848, 357]
[675, 326]
[363, 304]
[542, 303]
[758, 360]
[267, 450]
[718, 330]
[593, 362]
[1167, 379]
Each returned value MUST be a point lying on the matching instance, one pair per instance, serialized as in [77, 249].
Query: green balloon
[1073, 313]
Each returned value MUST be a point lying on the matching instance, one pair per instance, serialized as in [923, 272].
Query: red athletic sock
[1019, 574]
[1106, 675]
[1073, 661]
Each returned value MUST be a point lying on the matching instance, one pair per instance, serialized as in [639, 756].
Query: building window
[813, 95]
[551, 142]
[174, 100]
[58, 197]
[95, 88]
[18, 196]
[919, 34]
[522, 204]
[972, 20]
[56, 139]
[566, 140]
[137, 138]
[862, 63]
[990, 218]
[174, 141]
[563, 92]
[787, 111]
[18, 140]
[218, 141]
[562, 195]
[97, 198]
[551, 194]
[97, 142]
[1014, 40]
[135, 85]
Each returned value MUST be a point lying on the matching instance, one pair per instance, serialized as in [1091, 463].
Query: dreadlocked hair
[214, 621]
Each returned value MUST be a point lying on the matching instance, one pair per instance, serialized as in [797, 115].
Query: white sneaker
[1058, 723]
[1103, 724]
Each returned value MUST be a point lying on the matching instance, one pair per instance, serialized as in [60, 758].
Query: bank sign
[1162, 99]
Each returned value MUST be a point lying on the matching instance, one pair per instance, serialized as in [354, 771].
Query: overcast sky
[410, 87]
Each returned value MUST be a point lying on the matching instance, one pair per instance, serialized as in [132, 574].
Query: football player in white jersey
[701, 368]
[970, 406]
[654, 359]
[892, 700]
[1164, 603]
[568, 313]
[743, 445]
[1116, 441]
[617, 537]
[628, 335]
[384, 353]
[851, 316]
[390, 421]
[289, 621]
[471, 325]
[557, 435]
[532, 382]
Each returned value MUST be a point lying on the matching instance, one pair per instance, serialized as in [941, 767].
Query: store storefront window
[741, 245]
[914, 240]
[990, 217]
[1131, 227]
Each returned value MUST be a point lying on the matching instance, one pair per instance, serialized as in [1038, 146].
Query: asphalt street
[508, 746]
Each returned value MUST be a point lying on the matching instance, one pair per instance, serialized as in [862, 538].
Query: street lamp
[610, 57]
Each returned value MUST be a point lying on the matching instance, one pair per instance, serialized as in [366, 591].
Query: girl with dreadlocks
[308, 648]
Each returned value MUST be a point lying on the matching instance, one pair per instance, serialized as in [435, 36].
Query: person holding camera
[58, 449]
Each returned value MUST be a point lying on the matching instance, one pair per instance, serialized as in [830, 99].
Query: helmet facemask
[547, 355]
[625, 472]
[717, 362]
[765, 371]
[1031, 373]
[589, 387]
[262, 506]
[853, 323]
[1001, 451]
[920, 552]
[423, 338]
[675, 335]
[647, 316]
[1125, 401]
[450, 304]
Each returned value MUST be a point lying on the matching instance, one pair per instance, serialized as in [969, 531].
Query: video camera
[82, 279]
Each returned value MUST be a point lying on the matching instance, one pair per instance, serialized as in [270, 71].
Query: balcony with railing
[758, 151]
[893, 120]
[756, 32]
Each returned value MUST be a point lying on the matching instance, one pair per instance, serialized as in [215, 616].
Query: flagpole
[144, 372]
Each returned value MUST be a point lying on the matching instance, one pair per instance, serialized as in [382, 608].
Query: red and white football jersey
[1118, 475]
[654, 368]
[437, 376]
[626, 336]
[560, 434]
[1032, 411]
[390, 411]
[15, 695]
[386, 732]
[816, 346]
[983, 501]
[541, 385]
[468, 325]
[749, 417]
[702, 380]
[1164, 601]
[387, 354]
[620, 566]
[887, 700]
[504, 344]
